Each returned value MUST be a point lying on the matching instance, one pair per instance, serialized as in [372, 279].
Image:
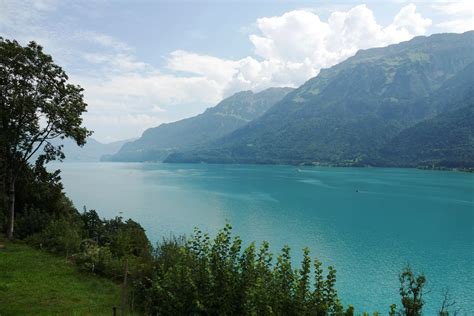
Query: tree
[411, 291]
[37, 104]
[284, 276]
[330, 292]
[302, 294]
[447, 304]
[320, 307]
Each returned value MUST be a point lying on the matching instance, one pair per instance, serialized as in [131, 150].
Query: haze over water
[367, 222]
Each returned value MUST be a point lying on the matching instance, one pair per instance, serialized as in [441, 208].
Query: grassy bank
[35, 282]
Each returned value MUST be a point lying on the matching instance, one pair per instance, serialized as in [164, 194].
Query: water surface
[367, 222]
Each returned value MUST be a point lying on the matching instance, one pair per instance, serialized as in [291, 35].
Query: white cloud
[291, 37]
[124, 105]
[105, 40]
[136, 90]
[293, 47]
[300, 38]
[213, 68]
[14, 13]
[113, 127]
[157, 109]
[127, 95]
[458, 16]
[115, 62]
[411, 21]
[22, 18]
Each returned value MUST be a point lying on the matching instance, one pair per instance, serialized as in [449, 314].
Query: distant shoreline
[299, 164]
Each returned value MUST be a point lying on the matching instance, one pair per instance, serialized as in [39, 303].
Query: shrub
[217, 276]
[60, 237]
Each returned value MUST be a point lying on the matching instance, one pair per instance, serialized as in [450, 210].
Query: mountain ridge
[229, 114]
[347, 113]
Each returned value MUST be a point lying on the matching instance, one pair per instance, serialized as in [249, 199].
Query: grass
[33, 282]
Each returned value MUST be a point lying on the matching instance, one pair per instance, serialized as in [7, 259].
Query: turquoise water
[369, 223]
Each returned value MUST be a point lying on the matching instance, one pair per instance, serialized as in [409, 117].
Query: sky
[143, 63]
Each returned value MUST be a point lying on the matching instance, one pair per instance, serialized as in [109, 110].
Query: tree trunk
[11, 207]
[4, 200]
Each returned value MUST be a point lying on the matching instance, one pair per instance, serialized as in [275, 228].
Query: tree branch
[46, 134]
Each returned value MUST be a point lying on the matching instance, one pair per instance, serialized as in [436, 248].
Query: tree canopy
[37, 104]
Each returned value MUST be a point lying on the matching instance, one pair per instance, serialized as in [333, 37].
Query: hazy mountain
[93, 150]
[349, 113]
[230, 114]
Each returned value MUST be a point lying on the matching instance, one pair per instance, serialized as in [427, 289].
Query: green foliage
[198, 275]
[33, 87]
[126, 238]
[60, 237]
[37, 105]
[350, 311]
[319, 288]
[40, 200]
[411, 292]
[393, 310]
[445, 140]
[33, 282]
[46, 219]
[107, 244]
[330, 293]
[218, 277]
[302, 288]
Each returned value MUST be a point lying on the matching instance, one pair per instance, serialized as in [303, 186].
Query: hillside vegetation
[33, 282]
[447, 140]
[199, 275]
[351, 113]
[227, 116]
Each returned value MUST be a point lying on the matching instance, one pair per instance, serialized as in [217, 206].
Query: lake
[367, 222]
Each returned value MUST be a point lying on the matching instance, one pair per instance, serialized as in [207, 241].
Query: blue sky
[143, 63]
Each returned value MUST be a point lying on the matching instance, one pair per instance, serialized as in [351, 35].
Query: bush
[204, 276]
[60, 237]
[39, 200]
[411, 291]
[31, 221]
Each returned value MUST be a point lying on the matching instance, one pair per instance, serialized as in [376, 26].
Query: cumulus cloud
[293, 47]
[300, 40]
[122, 105]
[458, 16]
[142, 91]
[127, 95]
[211, 67]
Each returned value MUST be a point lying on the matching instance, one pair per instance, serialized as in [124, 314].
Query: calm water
[369, 223]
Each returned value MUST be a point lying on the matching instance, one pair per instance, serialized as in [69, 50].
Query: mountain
[227, 116]
[445, 140]
[349, 113]
[91, 151]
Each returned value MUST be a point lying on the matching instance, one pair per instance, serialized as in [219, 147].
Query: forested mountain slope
[349, 113]
[230, 114]
[445, 140]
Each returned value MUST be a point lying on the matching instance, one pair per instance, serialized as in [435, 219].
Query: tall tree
[411, 291]
[37, 104]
